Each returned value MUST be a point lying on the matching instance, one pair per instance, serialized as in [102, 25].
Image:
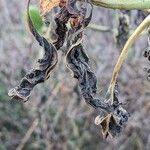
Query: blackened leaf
[36, 76]
[78, 63]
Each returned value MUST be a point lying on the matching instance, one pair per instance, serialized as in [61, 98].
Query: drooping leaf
[36, 18]
[40, 74]
[78, 64]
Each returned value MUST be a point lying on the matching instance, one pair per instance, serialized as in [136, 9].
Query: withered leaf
[61, 20]
[78, 64]
[36, 76]
[77, 61]
[109, 125]
[113, 127]
[81, 21]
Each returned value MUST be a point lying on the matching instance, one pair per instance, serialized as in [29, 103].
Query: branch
[124, 52]
[28, 134]
[100, 28]
[123, 4]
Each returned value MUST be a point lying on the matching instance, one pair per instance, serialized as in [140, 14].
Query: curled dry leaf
[113, 122]
[36, 76]
[109, 125]
[61, 19]
[78, 63]
[66, 13]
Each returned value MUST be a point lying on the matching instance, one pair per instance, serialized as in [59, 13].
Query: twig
[28, 134]
[124, 53]
[100, 28]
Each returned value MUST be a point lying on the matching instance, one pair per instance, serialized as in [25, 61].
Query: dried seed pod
[148, 77]
[147, 70]
[36, 76]
[123, 29]
[146, 54]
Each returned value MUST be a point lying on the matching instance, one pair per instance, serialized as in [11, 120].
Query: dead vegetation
[64, 120]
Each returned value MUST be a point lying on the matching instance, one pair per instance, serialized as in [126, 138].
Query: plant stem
[124, 53]
[123, 4]
[28, 134]
[99, 28]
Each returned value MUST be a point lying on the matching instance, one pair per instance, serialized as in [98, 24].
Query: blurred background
[56, 116]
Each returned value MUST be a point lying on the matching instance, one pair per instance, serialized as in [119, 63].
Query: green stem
[123, 4]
